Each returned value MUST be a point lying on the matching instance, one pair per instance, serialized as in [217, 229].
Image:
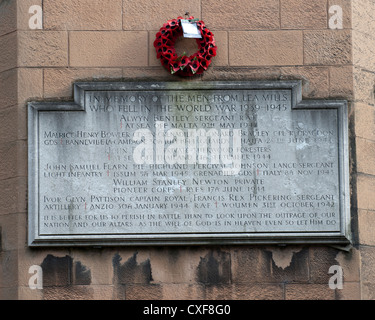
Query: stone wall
[257, 40]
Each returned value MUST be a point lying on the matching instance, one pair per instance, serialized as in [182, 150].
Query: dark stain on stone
[215, 268]
[57, 271]
[296, 271]
[353, 177]
[131, 271]
[82, 275]
[62, 272]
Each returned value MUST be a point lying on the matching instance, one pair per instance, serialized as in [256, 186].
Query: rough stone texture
[364, 86]
[265, 48]
[366, 220]
[64, 87]
[301, 14]
[8, 166]
[365, 156]
[363, 50]
[309, 292]
[368, 260]
[8, 129]
[341, 82]
[327, 47]
[175, 265]
[30, 85]
[315, 80]
[250, 265]
[351, 291]
[108, 49]
[42, 48]
[8, 17]
[363, 20]
[151, 15]
[82, 15]
[143, 292]
[182, 291]
[365, 121]
[241, 15]
[366, 192]
[8, 88]
[8, 45]
[13, 198]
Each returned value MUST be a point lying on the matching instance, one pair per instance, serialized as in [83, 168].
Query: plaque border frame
[295, 86]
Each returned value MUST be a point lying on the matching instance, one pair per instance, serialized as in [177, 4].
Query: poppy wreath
[183, 65]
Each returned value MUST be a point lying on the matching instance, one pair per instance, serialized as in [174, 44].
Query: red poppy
[184, 61]
[185, 66]
[194, 66]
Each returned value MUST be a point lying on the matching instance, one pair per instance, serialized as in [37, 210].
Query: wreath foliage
[184, 65]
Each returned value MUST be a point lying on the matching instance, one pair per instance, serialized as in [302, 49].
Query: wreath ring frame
[183, 65]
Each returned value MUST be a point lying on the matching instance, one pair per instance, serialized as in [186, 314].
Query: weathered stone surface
[309, 292]
[67, 76]
[146, 15]
[241, 15]
[265, 48]
[8, 17]
[108, 49]
[327, 47]
[341, 83]
[300, 14]
[82, 15]
[8, 47]
[42, 48]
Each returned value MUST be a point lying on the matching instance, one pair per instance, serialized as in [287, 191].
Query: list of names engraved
[188, 162]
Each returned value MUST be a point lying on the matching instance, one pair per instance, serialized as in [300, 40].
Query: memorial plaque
[188, 163]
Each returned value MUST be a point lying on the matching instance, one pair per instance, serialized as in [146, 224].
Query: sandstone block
[42, 48]
[365, 192]
[8, 88]
[301, 14]
[8, 17]
[315, 80]
[309, 292]
[241, 15]
[363, 50]
[366, 218]
[365, 121]
[82, 15]
[108, 49]
[341, 82]
[151, 15]
[30, 84]
[327, 47]
[8, 48]
[365, 156]
[364, 86]
[14, 197]
[67, 77]
[265, 48]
